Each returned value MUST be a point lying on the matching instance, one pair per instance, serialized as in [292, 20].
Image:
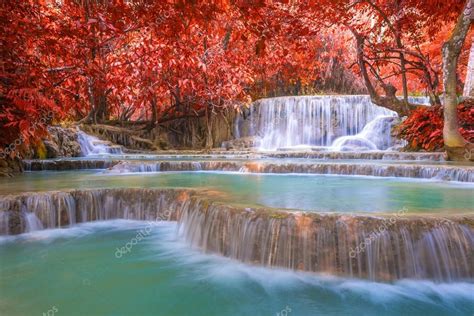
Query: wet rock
[242, 143]
[10, 166]
[62, 142]
[52, 149]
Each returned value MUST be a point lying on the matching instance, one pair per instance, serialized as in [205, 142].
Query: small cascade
[32, 223]
[419, 100]
[58, 209]
[67, 164]
[387, 247]
[147, 166]
[53, 210]
[4, 223]
[91, 145]
[437, 172]
[376, 135]
[377, 155]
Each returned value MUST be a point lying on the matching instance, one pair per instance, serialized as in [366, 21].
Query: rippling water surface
[79, 272]
[302, 192]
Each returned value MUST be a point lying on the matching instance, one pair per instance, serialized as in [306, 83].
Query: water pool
[303, 192]
[77, 272]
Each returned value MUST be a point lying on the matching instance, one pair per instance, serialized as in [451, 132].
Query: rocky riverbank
[10, 166]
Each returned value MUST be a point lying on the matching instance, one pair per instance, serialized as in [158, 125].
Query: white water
[419, 100]
[308, 121]
[32, 222]
[190, 269]
[375, 135]
[91, 145]
[4, 220]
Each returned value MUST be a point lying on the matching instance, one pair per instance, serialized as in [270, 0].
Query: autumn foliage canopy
[156, 61]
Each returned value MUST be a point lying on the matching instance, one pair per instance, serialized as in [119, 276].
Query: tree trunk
[404, 75]
[154, 115]
[102, 112]
[456, 146]
[389, 101]
[469, 83]
[209, 140]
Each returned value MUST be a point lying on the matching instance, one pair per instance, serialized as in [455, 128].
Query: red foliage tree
[27, 96]
[157, 61]
[423, 130]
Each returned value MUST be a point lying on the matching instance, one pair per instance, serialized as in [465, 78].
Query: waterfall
[384, 247]
[419, 100]
[377, 248]
[4, 223]
[32, 222]
[375, 135]
[316, 121]
[56, 209]
[91, 145]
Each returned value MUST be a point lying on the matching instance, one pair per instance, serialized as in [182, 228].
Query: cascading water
[419, 100]
[4, 223]
[365, 247]
[310, 121]
[91, 145]
[32, 222]
[375, 135]
[447, 173]
[378, 248]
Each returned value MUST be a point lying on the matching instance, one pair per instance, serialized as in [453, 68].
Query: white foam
[163, 243]
[91, 145]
